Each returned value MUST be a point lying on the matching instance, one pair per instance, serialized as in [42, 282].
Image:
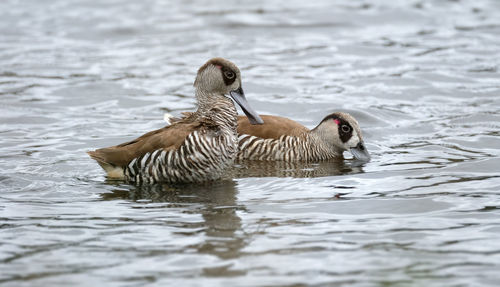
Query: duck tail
[113, 171]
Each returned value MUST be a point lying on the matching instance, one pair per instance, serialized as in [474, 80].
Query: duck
[282, 139]
[195, 149]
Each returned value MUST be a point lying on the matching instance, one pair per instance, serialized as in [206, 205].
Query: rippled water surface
[421, 77]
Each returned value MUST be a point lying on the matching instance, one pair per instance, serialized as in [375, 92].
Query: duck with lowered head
[282, 139]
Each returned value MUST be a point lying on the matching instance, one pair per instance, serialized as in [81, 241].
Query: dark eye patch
[345, 130]
[228, 75]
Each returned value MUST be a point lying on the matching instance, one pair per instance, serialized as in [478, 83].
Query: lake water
[422, 78]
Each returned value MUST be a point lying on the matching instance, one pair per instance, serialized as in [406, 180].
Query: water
[421, 77]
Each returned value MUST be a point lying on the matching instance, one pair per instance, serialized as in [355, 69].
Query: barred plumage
[200, 158]
[286, 148]
[203, 156]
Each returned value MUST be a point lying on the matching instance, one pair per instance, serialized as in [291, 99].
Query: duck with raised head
[197, 148]
[282, 139]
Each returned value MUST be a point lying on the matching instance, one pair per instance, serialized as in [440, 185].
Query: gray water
[422, 78]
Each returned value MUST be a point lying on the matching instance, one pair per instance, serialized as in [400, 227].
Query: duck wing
[166, 138]
[273, 128]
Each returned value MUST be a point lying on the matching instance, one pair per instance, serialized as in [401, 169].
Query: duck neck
[322, 146]
[217, 107]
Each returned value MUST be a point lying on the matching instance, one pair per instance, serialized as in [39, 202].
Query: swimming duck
[196, 148]
[282, 139]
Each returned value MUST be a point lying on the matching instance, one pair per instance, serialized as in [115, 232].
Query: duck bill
[239, 97]
[360, 152]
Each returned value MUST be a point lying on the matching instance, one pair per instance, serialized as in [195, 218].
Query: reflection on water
[249, 168]
[215, 202]
[421, 77]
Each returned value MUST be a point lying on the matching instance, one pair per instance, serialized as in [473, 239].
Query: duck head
[341, 132]
[220, 77]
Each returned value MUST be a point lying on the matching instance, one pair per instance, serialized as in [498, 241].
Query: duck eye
[345, 128]
[229, 74]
